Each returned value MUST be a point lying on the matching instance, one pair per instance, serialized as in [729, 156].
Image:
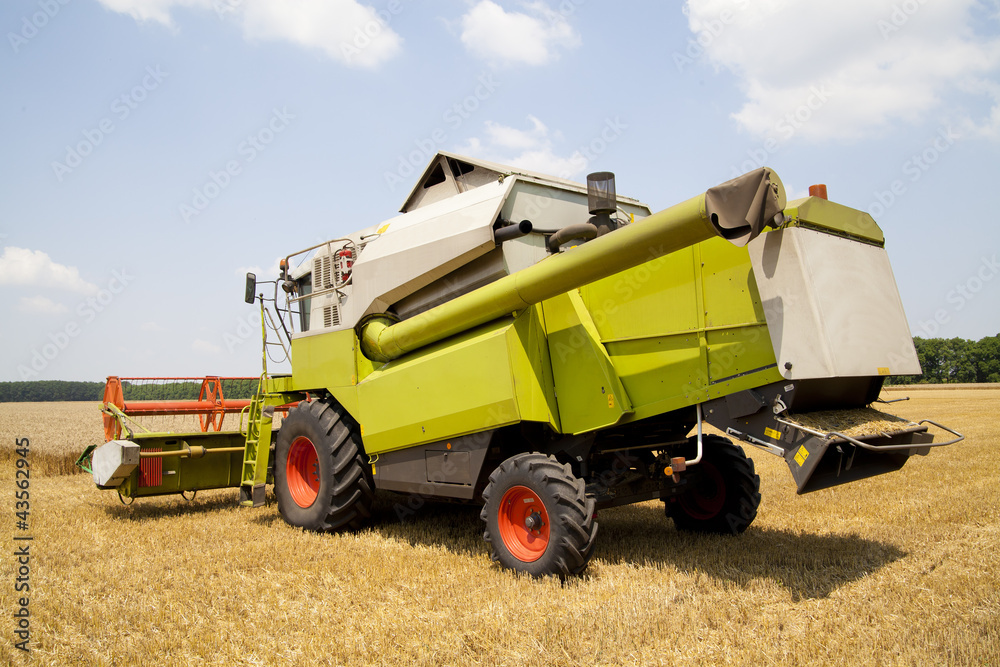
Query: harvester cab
[546, 349]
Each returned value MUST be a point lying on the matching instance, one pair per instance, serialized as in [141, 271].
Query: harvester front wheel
[725, 495]
[538, 517]
[321, 475]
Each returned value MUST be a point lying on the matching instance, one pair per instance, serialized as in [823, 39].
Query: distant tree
[985, 354]
[959, 363]
[947, 360]
[50, 390]
[239, 388]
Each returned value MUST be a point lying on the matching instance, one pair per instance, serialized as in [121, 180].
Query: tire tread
[742, 492]
[573, 530]
[351, 491]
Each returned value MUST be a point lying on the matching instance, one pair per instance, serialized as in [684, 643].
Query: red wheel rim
[302, 472]
[706, 500]
[523, 524]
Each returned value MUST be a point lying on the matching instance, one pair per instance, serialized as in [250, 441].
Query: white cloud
[544, 160]
[40, 305]
[987, 127]
[199, 345]
[530, 149]
[793, 192]
[512, 138]
[532, 38]
[346, 30]
[850, 68]
[21, 266]
[157, 10]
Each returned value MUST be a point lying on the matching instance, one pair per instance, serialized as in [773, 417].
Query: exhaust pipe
[511, 232]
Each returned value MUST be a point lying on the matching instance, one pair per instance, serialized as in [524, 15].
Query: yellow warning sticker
[882, 370]
[373, 470]
[801, 455]
[771, 433]
[362, 427]
[611, 400]
[382, 229]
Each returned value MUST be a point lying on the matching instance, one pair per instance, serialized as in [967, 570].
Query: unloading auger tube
[737, 210]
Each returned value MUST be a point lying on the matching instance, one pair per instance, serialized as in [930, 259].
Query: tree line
[952, 360]
[50, 390]
[60, 390]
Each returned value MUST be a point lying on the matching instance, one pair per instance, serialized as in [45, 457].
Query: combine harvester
[548, 349]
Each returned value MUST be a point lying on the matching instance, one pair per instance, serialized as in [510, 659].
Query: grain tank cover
[832, 306]
[449, 174]
[419, 247]
[448, 222]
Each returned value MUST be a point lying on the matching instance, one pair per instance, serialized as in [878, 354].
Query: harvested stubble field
[901, 569]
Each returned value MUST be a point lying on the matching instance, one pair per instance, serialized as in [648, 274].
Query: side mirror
[251, 288]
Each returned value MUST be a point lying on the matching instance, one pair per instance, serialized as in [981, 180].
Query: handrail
[879, 448]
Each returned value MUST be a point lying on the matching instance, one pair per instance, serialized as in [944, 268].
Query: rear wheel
[321, 476]
[724, 497]
[538, 517]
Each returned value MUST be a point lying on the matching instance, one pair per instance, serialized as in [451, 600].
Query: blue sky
[155, 150]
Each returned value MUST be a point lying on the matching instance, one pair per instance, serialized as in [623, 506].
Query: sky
[155, 150]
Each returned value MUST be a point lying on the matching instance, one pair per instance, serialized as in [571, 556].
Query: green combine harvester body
[549, 349]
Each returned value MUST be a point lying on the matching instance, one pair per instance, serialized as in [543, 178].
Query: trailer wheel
[321, 476]
[538, 517]
[725, 498]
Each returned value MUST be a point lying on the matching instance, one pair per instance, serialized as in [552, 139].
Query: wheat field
[897, 570]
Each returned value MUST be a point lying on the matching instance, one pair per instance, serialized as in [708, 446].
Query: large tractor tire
[725, 496]
[538, 517]
[321, 474]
